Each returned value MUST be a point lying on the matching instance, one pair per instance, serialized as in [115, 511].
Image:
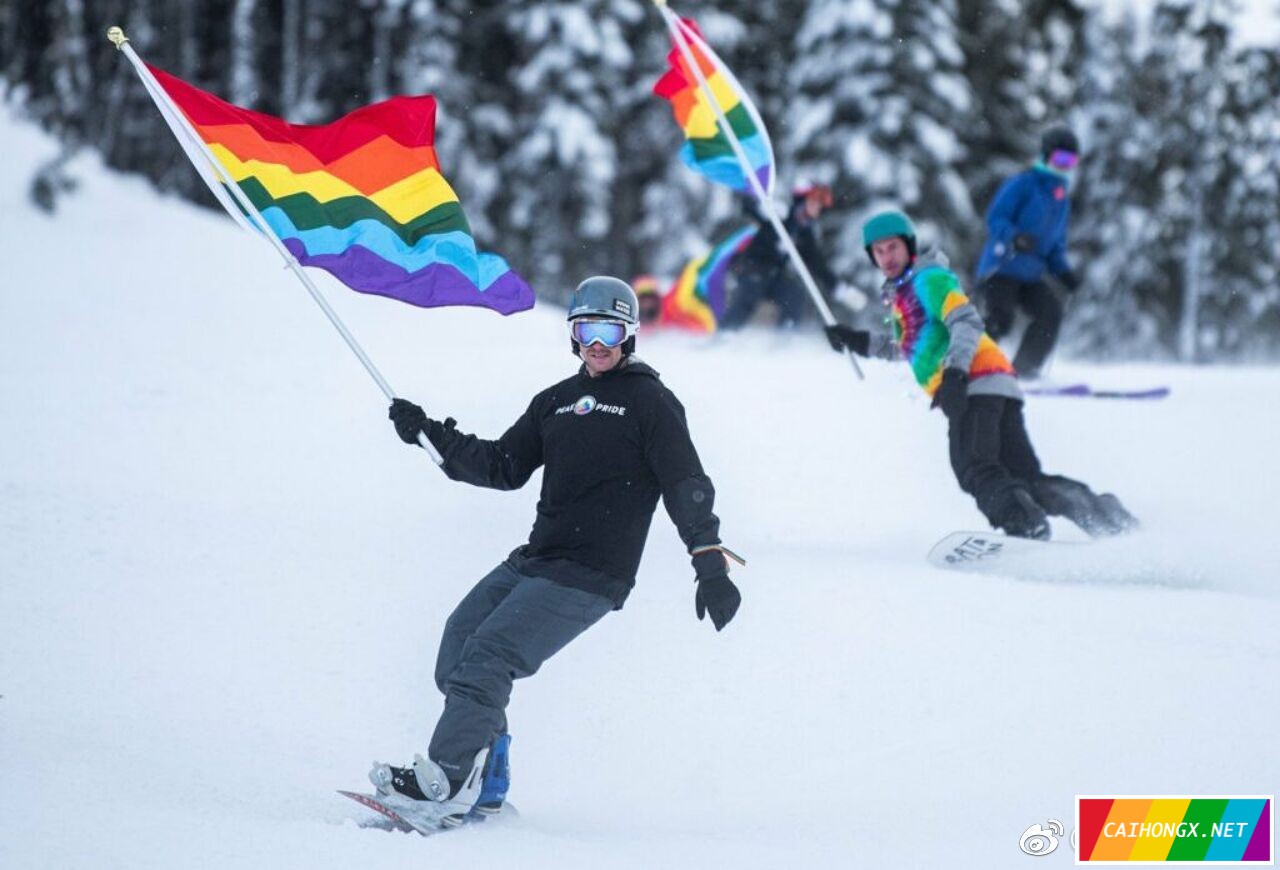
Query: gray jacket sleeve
[965, 327]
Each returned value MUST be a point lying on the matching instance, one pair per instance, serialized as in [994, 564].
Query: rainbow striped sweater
[935, 327]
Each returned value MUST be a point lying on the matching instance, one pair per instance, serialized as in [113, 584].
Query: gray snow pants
[505, 628]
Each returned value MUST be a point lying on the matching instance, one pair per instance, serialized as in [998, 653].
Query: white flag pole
[221, 184]
[681, 38]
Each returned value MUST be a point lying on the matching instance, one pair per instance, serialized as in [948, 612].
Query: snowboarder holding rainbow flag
[612, 440]
[940, 333]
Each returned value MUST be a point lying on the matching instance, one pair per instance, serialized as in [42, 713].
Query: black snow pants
[753, 286]
[1002, 296]
[992, 457]
[504, 629]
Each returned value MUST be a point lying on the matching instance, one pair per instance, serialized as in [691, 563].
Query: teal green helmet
[886, 224]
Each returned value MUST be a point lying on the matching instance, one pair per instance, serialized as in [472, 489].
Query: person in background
[1027, 237]
[649, 297]
[763, 271]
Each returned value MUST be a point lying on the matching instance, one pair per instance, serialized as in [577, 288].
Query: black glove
[843, 338]
[953, 394]
[1070, 279]
[409, 420]
[1024, 242]
[718, 596]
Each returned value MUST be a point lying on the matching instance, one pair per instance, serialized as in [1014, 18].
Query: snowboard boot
[1023, 517]
[1064, 497]
[1099, 516]
[1113, 515]
[446, 801]
[497, 776]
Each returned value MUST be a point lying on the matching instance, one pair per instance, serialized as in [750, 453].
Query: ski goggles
[609, 333]
[1060, 158]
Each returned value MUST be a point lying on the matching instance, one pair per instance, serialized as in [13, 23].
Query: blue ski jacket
[1033, 201]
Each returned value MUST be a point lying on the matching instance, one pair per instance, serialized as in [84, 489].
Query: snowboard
[406, 815]
[1117, 561]
[992, 552]
[1084, 391]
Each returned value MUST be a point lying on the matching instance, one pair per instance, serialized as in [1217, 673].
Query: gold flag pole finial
[116, 35]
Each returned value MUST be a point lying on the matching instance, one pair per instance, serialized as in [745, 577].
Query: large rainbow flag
[697, 299]
[361, 198]
[706, 150]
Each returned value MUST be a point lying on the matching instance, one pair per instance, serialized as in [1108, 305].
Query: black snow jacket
[611, 445]
[766, 255]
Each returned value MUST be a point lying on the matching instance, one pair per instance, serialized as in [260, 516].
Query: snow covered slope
[222, 579]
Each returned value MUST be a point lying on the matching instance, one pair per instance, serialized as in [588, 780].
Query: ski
[1056, 389]
[1084, 391]
[405, 815]
[1150, 393]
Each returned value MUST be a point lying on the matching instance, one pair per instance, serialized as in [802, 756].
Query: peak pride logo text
[587, 404]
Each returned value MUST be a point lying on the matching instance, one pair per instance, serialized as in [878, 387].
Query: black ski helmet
[1058, 139]
[605, 296]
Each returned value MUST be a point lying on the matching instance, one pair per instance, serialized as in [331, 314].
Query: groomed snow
[223, 580]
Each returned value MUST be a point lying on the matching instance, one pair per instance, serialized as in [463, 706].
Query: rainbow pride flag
[706, 150]
[361, 198]
[697, 299]
[1230, 830]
